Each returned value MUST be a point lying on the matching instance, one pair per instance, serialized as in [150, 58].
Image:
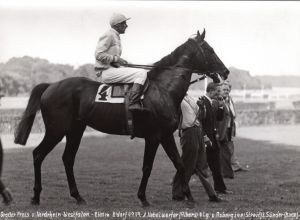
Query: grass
[109, 169]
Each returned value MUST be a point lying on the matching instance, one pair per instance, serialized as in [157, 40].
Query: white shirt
[189, 110]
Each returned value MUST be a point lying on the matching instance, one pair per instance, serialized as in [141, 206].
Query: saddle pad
[105, 94]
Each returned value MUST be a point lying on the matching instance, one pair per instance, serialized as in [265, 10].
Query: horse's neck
[179, 87]
[172, 73]
[174, 83]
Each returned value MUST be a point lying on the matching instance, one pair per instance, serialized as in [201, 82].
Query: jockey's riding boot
[134, 98]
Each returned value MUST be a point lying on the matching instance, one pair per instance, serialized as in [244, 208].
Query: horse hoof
[81, 201]
[35, 201]
[7, 202]
[145, 203]
[190, 204]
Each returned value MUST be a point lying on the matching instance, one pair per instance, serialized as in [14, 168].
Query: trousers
[123, 75]
[213, 160]
[194, 160]
[226, 153]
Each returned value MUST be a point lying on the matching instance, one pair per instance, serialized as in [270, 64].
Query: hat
[117, 18]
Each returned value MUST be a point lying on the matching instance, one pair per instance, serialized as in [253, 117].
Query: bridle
[199, 50]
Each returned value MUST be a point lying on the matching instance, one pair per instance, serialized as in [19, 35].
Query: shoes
[178, 198]
[224, 192]
[241, 170]
[229, 177]
[215, 199]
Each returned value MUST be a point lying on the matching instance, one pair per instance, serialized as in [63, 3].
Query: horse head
[206, 60]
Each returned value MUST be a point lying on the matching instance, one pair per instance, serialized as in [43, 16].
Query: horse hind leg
[39, 154]
[149, 155]
[73, 141]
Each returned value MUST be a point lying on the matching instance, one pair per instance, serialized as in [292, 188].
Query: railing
[10, 118]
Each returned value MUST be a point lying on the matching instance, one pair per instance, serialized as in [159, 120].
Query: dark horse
[68, 106]
[6, 195]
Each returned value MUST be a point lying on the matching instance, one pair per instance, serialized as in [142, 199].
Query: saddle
[119, 93]
[116, 92]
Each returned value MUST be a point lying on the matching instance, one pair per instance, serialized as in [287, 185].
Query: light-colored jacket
[108, 49]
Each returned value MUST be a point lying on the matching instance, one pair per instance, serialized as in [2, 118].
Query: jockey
[111, 68]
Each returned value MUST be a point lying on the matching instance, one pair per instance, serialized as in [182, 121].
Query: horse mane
[168, 61]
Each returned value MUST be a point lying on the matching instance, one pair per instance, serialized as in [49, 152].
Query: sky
[261, 37]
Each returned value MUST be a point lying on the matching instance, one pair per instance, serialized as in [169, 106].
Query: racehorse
[68, 106]
[6, 195]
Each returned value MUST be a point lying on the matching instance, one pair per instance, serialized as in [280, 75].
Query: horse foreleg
[39, 154]
[170, 148]
[149, 155]
[72, 145]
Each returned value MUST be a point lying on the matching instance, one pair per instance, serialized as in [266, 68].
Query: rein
[152, 66]
[198, 79]
[139, 66]
[199, 50]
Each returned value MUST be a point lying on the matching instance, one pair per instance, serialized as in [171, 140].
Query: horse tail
[24, 127]
[1, 161]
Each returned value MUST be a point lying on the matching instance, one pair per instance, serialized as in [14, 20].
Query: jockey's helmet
[117, 18]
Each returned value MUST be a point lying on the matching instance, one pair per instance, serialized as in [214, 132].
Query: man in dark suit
[214, 112]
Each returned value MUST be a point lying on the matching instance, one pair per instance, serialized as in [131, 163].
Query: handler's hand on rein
[221, 101]
[208, 143]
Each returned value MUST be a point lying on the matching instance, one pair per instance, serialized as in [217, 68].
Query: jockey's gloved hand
[120, 60]
[115, 64]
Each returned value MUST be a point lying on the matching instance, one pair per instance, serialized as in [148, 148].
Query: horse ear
[198, 34]
[203, 34]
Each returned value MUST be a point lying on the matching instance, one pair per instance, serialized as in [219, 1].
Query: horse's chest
[170, 122]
